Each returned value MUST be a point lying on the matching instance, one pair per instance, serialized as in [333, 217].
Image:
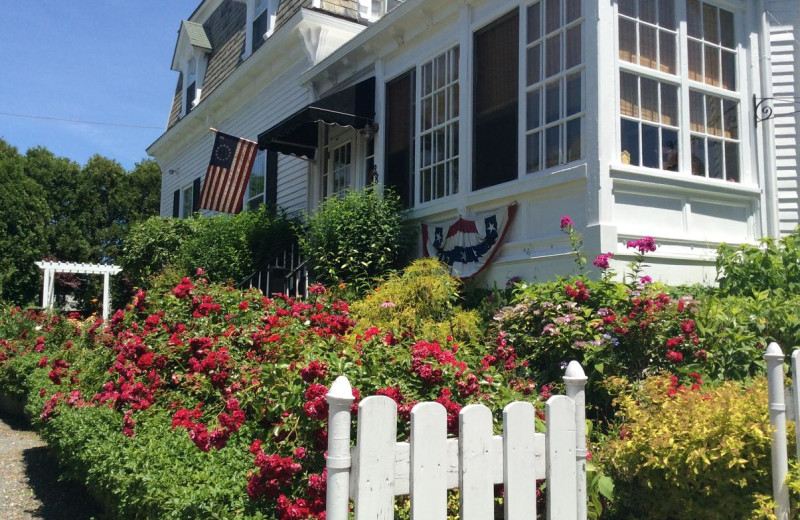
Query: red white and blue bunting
[467, 246]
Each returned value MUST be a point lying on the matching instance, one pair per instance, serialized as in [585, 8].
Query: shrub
[687, 453]
[207, 402]
[227, 247]
[357, 238]
[772, 265]
[423, 298]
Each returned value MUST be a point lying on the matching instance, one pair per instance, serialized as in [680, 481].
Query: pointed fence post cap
[340, 391]
[773, 352]
[575, 374]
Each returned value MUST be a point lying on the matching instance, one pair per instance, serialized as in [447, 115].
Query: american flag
[228, 173]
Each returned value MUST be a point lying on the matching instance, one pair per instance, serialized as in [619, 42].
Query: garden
[198, 399]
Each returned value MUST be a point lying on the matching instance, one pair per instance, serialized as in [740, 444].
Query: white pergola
[49, 270]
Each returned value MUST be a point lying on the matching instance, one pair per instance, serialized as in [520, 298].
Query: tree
[24, 216]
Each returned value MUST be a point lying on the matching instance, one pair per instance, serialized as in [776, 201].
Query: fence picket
[376, 438]
[561, 470]
[429, 462]
[796, 397]
[519, 461]
[475, 447]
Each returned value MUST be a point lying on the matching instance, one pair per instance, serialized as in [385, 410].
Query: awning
[297, 134]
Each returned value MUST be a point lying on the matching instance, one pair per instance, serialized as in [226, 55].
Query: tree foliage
[55, 209]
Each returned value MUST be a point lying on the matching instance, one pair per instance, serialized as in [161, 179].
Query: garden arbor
[50, 269]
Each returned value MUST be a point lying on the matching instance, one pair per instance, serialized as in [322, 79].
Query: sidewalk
[29, 486]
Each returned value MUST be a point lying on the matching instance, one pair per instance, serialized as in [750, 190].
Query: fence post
[796, 396]
[777, 418]
[575, 381]
[340, 398]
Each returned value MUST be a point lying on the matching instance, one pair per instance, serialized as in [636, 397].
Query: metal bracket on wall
[763, 107]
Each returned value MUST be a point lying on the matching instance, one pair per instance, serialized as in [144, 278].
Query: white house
[667, 118]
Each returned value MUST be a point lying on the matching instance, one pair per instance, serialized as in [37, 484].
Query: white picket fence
[784, 404]
[378, 468]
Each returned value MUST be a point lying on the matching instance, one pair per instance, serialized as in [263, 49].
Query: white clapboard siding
[784, 20]
[474, 462]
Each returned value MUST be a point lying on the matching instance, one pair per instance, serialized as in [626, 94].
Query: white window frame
[187, 198]
[561, 77]
[686, 86]
[271, 7]
[453, 160]
[193, 65]
[250, 197]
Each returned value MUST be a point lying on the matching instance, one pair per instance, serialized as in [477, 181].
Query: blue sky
[89, 60]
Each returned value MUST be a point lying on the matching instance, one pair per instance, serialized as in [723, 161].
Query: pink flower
[387, 304]
[644, 244]
[566, 222]
[601, 261]
[645, 280]
[674, 357]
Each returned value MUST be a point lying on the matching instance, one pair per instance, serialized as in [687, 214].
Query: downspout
[770, 174]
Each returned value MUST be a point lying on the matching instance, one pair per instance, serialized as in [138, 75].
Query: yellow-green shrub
[424, 297]
[701, 453]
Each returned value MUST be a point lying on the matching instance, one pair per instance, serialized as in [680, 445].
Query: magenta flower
[645, 280]
[566, 222]
[601, 261]
[644, 244]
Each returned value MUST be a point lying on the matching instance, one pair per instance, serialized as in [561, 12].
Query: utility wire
[8, 114]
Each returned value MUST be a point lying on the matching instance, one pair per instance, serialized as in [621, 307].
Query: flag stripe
[224, 188]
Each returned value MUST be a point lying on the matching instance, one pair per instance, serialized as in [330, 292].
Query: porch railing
[287, 273]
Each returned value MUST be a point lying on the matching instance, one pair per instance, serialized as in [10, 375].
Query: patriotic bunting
[467, 246]
[228, 173]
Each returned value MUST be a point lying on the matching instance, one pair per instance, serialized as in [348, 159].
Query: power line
[123, 125]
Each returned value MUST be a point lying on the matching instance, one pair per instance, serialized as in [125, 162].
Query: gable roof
[195, 35]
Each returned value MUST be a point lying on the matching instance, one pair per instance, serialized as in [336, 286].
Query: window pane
[440, 71]
[710, 32]
[574, 46]
[427, 116]
[666, 52]
[439, 100]
[534, 159]
[649, 90]
[647, 11]
[651, 146]
[552, 102]
[732, 172]
[533, 109]
[698, 156]
[647, 46]
[715, 164]
[427, 75]
[693, 19]
[630, 142]
[713, 115]
[573, 140]
[553, 50]
[695, 61]
[731, 115]
[628, 7]
[728, 70]
[553, 146]
[666, 14]
[669, 104]
[669, 149]
[573, 10]
[553, 15]
[696, 109]
[535, 64]
[627, 40]
[534, 22]
[727, 32]
[628, 94]
[712, 65]
[573, 94]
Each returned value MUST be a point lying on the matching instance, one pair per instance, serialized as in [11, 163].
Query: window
[554, 84]
[495, 102]
[261, 18]
[653, 47]
[370, 10]
[186, 201]
[399, 136]
[438, 126]
[263, 184]
[190, 97]
[260, 23]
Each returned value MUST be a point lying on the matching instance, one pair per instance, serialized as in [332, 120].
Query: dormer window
[190, 60]
[371, 10]
[261, 15]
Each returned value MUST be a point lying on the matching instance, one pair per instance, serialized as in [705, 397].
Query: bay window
[653, 50]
